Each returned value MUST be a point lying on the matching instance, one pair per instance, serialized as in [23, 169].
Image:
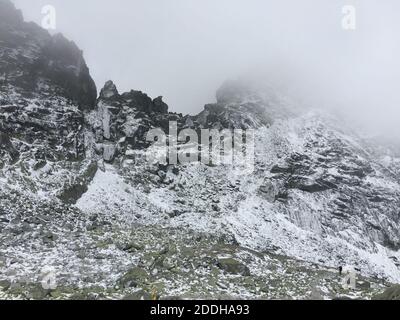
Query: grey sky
[184, 49]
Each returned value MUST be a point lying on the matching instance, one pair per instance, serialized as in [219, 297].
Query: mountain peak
[37, 64]
[109, 90]
[9, 14]
[233, 91]
[160, 105]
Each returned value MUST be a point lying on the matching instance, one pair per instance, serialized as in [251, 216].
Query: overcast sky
[184, 49]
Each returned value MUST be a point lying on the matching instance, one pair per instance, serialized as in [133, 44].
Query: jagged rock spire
[160, 105]
[109, 90]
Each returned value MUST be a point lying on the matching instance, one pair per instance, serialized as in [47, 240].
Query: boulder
[134, 277]
[4, 285]
[233, 266]
[109, 90]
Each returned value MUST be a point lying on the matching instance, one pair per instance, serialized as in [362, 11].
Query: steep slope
[45, 87]
[318, 192]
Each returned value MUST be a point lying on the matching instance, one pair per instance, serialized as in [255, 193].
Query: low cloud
[184, 49]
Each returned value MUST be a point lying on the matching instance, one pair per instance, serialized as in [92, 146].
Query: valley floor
[91, 258]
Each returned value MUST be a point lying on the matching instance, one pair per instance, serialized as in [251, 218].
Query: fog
[184, 49]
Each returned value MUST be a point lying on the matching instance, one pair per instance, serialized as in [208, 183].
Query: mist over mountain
[183, 50]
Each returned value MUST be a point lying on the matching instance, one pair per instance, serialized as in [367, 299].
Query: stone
[133, 278]
[131, 247]
[38, 293]
[175, 213]
[109, 90]
[54, 60]
[5, 285]
[233, 266]
[159, 105]
[56, 294]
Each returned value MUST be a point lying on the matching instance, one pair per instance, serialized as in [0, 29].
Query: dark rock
[4, 285]
[392, 293]
[175, 213]
[8, 148]
[233, 266]
[133, 278]
[109, 90]
[50, 65]
[278, 169]
[74, 190]
[69, 71]
[131, 247]
[36, 292]
[159, 105]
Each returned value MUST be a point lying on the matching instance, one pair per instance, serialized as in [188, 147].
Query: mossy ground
[148, 262]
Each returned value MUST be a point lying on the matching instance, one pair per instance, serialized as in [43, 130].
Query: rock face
[9, 15]
[233, 266]
[232, 112]
[45, 89]
[35, 64]
[120, 122]
[316, 190]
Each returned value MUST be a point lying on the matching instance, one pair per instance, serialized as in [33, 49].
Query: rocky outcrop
[120, 122]
[241, 106]
[44, 87]
[9, 15]
[36, 64]
[7, 150]
[109, 91]
[230, 113]
[41, 132]
[233, 266]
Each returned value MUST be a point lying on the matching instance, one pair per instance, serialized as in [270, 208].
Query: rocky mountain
[36, 64]
[77, 194]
